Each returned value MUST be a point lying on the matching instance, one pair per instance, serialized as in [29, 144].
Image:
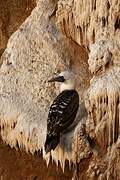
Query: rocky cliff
[79, 35]
[12, 15]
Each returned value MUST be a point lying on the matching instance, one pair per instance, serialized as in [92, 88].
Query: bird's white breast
[67, 86]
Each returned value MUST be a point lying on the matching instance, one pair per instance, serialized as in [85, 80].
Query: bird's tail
[51, 142]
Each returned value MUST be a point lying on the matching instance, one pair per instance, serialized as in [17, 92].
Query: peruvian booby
[63, 109]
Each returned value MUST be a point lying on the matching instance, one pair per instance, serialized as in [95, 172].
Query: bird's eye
[62, 79]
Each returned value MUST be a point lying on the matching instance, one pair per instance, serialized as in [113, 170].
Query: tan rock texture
[58, 35]
[12, 14]
[86, 21]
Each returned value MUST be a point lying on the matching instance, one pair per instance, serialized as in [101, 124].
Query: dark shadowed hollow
[18, 165]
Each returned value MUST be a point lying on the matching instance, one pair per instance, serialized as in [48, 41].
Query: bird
[63, 110]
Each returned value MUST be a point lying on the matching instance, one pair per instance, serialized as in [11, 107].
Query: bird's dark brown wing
[61, 114]
[63, 110]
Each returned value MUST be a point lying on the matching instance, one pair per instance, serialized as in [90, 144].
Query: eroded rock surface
[102, 103]
[12, 14]
[86, 21]
[49, 41]
[19, 165]
[40, 50]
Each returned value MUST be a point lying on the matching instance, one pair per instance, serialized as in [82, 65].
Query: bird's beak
[58, 79]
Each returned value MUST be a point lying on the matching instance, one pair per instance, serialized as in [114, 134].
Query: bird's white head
[66, 79]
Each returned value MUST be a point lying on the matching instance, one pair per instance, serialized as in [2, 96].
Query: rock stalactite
[79, 20]
[82, 36]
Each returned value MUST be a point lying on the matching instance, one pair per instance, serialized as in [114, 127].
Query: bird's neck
[64, 87]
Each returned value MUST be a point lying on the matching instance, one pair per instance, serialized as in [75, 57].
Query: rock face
[20, 165]
[102, 103]
[61, 35]
[84, 22]
[26, 70]
[12, 15]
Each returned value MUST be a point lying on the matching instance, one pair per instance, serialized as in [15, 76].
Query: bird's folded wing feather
[63, 111]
